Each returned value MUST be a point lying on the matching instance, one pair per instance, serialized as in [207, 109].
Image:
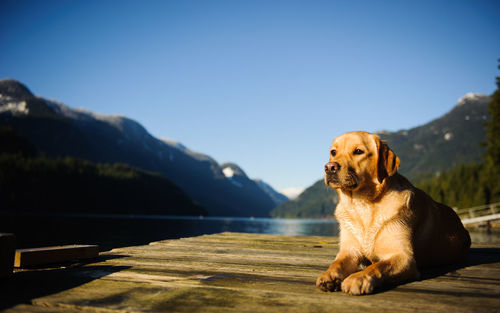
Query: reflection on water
[110, 231]
[290, 227]
[485, 236]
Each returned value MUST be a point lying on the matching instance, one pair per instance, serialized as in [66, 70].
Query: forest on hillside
[473, 184]
[33, 183]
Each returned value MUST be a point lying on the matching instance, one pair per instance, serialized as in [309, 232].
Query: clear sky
[265, 84]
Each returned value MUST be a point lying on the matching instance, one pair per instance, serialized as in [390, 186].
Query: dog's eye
[358, 151]
[333, 153]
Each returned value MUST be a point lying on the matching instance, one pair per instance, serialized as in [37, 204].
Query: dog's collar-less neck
[371, 192]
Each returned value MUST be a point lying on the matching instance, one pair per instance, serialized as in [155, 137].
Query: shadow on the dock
[476, 256]
[23, 287]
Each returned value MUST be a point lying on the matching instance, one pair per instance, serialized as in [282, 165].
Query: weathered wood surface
[234, 272]
[56, 254]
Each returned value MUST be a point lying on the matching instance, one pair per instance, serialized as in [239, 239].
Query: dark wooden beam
[58, 254]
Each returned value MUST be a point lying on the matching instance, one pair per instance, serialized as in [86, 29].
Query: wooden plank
[232, 272]
[56, 254]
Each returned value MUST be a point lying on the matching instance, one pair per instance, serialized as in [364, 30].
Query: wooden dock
[235, 272]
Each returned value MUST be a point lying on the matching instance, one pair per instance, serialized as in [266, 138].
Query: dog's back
[440, 237]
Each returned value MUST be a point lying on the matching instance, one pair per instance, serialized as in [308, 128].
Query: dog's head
[359, 159]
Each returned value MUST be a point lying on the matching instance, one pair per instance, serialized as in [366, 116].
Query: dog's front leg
[346, 262]
[394, 270]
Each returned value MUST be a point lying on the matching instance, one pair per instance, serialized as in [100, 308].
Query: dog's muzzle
[348, 180]
[331, 172]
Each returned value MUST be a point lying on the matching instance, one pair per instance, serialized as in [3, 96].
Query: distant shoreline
[158, 216]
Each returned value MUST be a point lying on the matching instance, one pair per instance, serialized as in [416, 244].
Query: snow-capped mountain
[240, 179]
[59, 130]
[447, 141]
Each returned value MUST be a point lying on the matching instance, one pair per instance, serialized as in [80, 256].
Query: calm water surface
[110, 231]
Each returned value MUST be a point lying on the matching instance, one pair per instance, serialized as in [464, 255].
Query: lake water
[110, 231]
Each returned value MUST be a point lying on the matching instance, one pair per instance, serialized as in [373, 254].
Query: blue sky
[264, 84]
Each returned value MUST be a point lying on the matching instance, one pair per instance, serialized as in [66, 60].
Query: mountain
[445, 142]
[238, 178]
[38, 184]
[59, 131]
[277, 197]
[316, 201]
[450, 140]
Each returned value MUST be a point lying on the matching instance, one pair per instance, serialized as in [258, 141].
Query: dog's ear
[388, 162]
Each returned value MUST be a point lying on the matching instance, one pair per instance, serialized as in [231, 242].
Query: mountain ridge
[447, 141]
[58, 131]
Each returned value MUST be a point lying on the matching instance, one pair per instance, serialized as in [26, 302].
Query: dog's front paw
[358, 284]
[328, 281]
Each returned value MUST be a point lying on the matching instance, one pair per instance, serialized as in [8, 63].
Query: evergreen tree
[493, 129]
[473, 184]
[40, 184]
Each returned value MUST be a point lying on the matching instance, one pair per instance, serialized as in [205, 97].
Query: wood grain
[236, 272]
[57, 254]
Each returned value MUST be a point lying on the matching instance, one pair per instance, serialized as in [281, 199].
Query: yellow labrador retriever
[386, 224]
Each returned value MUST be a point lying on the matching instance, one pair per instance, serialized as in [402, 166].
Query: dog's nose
[332, 167]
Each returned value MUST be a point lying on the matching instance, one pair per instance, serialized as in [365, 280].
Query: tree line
[473, 184]
[32, 182]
